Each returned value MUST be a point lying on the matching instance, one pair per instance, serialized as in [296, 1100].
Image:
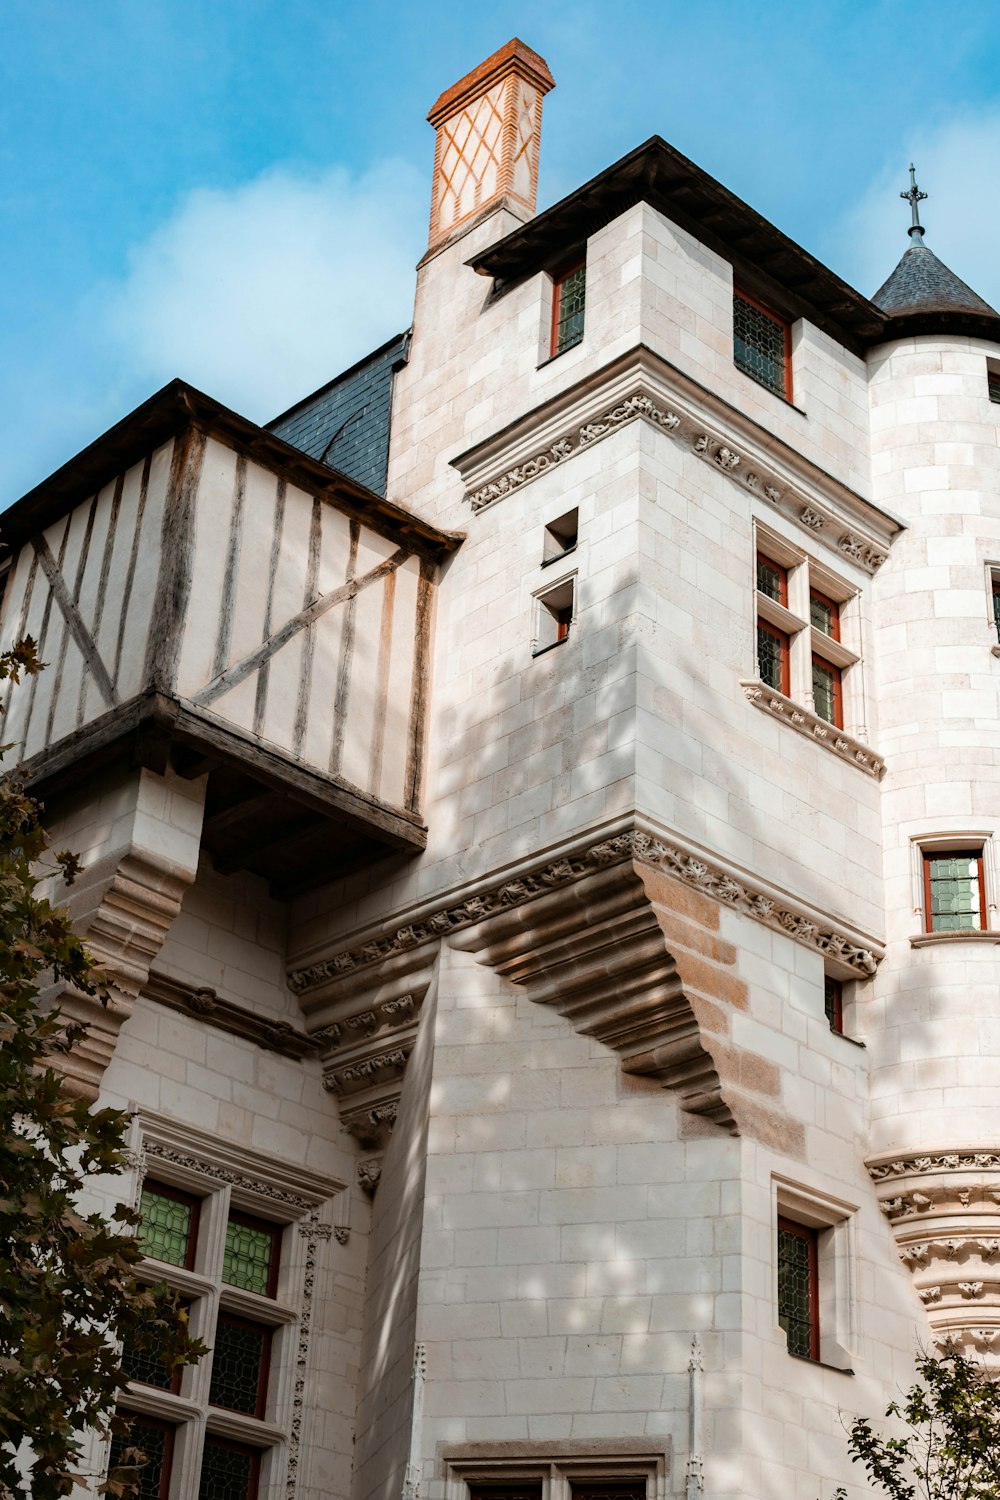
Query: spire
[915, 196]
[923, 296]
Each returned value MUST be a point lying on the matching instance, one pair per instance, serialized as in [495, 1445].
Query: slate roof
[922, 290]
[345, 424]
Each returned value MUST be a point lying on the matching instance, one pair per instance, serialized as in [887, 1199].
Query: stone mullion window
[226, 1419]
[800, 622]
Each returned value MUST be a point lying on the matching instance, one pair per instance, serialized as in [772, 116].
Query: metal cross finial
[913, 197]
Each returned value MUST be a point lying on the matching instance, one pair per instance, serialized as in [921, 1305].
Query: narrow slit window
[954, 892]
[993, 380]
[762, 345]
[569, 300]
[798, 1287]
[995, 592]
[833, 1003]
[560, 537]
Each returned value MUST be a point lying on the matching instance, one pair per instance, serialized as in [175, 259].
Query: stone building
[539, 803]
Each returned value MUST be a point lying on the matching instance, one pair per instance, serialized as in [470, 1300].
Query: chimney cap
[514, 57]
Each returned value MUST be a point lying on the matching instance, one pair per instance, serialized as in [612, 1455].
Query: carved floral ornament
[813, 727]
[863, 550]
[633, 845]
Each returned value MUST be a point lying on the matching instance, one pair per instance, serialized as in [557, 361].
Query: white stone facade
[531, 1090]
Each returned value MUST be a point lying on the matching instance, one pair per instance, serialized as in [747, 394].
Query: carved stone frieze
[694, 870]
[820, 731]
[944, 1208]
[722, 454]
[238, 1020]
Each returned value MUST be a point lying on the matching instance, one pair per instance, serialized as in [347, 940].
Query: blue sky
[236, 191]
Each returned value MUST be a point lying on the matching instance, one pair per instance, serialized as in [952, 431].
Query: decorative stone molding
[648, 400]
[820, 731]
[944, 1208]
[688, 866]
[237, 1020]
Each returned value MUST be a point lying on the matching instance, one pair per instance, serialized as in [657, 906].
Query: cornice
[737, 890]
[641, 386]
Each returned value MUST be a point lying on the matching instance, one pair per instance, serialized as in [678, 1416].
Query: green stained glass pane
[166, 1227]
[954, 883]
[821, 615]
[249, 1254]
[996, 602]
[795, 1290]
[759, 345]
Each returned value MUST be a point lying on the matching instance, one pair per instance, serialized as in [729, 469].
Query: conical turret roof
[923, 296]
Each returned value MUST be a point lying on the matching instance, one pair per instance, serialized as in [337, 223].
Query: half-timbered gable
[204, 593]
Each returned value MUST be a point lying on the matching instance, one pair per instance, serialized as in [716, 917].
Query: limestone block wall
[937, 462]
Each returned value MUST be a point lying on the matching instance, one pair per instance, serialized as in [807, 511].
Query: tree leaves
[69, 1298]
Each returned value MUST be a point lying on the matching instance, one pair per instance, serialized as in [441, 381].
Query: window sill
[967, 935]
[837, 741]
[820, 1364]
[558, 353]
[854, 1043]
[541, 650]
[778, 395]
[548, 561]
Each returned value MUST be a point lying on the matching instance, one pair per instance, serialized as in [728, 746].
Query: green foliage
[950, 1449]
[68, 1294]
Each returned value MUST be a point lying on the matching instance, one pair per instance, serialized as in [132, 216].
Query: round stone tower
[935, 1030]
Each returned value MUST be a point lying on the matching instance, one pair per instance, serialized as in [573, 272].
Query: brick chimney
[489, 128]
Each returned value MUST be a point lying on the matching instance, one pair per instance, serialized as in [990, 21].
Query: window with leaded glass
[827, 691]
[169, 1225]
[156, 1441]
[569, 298]
[798, 1287]
[772, 656]
[593, 1490]
[229, 1471]
[954, 891]
[761, 345]
[996, 605]
[824, 615]
[251, 1256]
[527, 1489]
[772, 579]
[148, 1367]
[241, 1359]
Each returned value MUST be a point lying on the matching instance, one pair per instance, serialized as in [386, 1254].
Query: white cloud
[260, 293]
[956, 164]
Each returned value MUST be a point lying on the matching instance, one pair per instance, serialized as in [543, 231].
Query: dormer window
[762, 345]
[569, 297]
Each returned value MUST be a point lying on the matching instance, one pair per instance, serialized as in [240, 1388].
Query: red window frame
[929, 856]
[995, 590]
[169, 1430]
[263, 1373]
[253, 1482]
[833, 1002]
[811, 1237]
[786, 328]
[558, 283]
[838, 690]
[782, 573]
[785, 647]
[167, 1190]
[833, 633]
[267, 1226]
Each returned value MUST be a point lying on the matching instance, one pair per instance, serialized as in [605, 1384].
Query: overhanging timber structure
[207, 597]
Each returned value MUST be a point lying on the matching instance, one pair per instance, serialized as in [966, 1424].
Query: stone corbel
[365, 1026]
[123, 905]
